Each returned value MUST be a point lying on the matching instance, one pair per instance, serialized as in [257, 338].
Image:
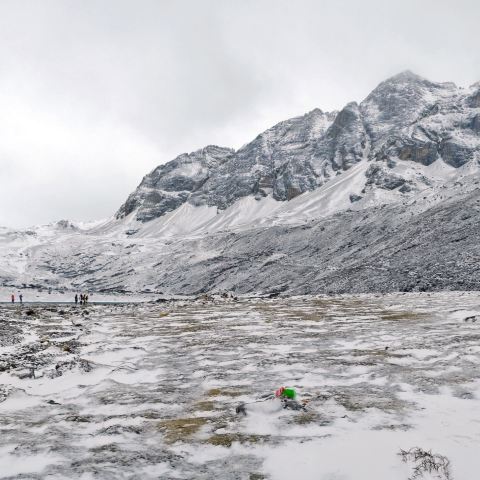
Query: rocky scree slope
[380, 249]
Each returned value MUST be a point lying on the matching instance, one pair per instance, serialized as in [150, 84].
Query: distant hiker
[86, 298]
[81, 299]
[13, 298]
[76, 298]
[21, 298]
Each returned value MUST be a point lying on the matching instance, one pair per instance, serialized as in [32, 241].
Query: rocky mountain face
[172, 184]
[381, 196]
[413, 119]
[405, 119]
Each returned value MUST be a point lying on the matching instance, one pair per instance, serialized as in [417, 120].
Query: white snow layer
[156, 370]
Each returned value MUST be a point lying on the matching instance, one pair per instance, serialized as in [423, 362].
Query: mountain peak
[408, 77]
[315, 111]
[404, 83]
[405, 76]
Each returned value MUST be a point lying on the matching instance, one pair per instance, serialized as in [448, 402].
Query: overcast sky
[95, 94]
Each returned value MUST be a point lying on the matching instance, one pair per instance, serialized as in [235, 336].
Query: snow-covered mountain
[407, 123]
[408, 153]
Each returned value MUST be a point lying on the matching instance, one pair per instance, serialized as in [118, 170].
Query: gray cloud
[94, 94]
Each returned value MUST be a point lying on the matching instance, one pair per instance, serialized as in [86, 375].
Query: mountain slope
[380, 196]
[405, 119]
[384, 248]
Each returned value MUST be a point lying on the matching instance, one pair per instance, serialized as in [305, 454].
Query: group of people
[20, 297]
[83, 298]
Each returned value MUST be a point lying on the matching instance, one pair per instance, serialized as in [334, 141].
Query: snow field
[150, 390]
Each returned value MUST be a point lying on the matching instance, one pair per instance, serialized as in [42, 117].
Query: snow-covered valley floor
[149, 391]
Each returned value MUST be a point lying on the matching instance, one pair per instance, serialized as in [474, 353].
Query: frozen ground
[149, 391]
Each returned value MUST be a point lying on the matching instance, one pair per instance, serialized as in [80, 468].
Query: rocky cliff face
[406, 118]
[172, 184]
[413, 119]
